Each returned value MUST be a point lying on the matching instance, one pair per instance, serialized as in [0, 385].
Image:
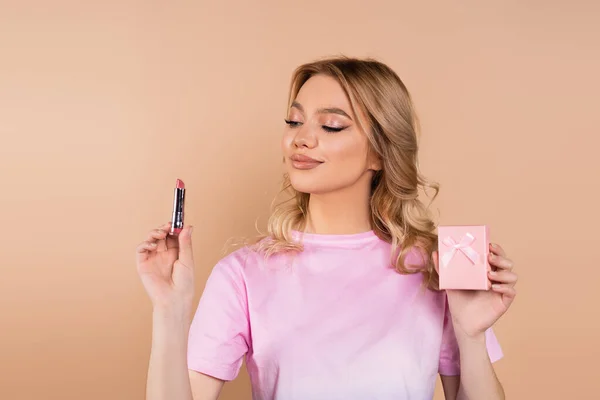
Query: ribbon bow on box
[464, 245]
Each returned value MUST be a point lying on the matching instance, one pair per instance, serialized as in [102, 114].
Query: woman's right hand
[165, 264]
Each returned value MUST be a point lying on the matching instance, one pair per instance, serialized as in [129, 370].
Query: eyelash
[328, 129]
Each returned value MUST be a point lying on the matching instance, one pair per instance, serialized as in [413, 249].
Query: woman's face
[323, 147]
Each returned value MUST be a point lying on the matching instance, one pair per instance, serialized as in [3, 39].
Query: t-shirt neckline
[335, 239]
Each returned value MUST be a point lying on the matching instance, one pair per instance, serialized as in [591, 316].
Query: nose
[305, 137]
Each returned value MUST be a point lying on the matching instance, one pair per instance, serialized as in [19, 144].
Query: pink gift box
[463, 256]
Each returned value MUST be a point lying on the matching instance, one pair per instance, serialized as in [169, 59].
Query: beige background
[103, 106]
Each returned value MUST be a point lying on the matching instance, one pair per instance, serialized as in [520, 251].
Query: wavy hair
[398, 216]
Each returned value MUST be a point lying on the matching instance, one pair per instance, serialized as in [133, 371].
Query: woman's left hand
[474, 311]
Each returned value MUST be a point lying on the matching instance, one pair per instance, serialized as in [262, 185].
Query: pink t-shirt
[335, 321]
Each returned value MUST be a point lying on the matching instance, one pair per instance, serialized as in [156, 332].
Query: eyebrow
[326, 110]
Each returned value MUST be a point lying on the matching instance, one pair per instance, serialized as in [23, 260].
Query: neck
[344, 211]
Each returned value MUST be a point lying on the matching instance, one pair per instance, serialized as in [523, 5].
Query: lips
[300, 161]
[304, 159]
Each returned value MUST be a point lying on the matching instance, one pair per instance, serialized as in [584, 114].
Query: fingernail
[493, 273]
[493, 245]
[152, 244]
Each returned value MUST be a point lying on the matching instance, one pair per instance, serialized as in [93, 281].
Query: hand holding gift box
[469, 266]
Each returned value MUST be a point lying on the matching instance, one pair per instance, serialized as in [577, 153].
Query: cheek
[286, 142]
[347, 152]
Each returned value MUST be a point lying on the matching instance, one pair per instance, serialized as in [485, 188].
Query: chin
[312, 185]
[306, 184]
[303, 187]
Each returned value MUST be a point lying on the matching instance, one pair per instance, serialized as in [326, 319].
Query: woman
[339, 300]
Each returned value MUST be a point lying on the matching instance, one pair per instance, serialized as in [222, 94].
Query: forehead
[322, 91]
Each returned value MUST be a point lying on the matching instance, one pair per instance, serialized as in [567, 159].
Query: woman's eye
[332, 129]
[292, 124]
[326, 128]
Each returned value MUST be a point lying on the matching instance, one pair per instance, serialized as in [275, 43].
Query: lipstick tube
[178, 208]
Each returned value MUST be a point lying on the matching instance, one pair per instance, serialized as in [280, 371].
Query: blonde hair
[398, 216]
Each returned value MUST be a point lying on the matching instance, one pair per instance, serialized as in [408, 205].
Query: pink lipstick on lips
[300, 161]
[178, 208]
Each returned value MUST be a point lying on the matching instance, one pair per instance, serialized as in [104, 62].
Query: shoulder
[233, 264]
[247, 261]
[237, 259]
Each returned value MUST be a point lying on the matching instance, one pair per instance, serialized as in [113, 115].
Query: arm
[168, 375]
[450, 384]
[472, 311]
[478, 379]
[205, 387]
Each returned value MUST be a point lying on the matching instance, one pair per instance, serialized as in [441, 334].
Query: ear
[373, 160]
[375, 164]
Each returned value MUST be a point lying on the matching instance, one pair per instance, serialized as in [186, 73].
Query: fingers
[145, 246]
[172, 240]
[497, 249]
[503, 276]
[507, 290]
[503, 282]
[158, 236]
[500, 262]
[186, 256]
[154, 242]
[142, 250]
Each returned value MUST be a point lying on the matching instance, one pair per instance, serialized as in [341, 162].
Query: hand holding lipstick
[165, 261]
[165, 264]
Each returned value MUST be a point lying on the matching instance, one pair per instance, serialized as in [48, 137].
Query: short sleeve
[449, 352]
[219, 333]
